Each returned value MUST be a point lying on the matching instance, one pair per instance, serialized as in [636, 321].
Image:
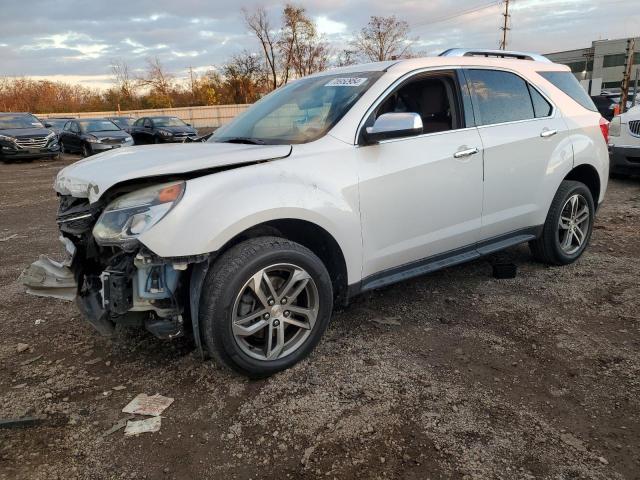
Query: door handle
[465, 153]
[548, 133]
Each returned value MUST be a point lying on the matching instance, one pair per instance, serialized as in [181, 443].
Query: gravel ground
[452, 375]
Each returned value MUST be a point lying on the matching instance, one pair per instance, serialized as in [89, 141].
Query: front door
[421, 196]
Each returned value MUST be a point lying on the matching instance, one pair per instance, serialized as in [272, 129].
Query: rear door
[525, 141]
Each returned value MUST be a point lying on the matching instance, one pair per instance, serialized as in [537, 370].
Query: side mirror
[394, 125]
[47, 125]
[188, 124]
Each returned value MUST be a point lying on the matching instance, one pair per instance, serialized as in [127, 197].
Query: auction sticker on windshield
[346, 82]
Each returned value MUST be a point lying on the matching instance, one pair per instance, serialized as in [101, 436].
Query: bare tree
[258, 23]
[159, 81]
[125, 85]
[383, 38]
[244, 78]
[346, 57]
[305, 52]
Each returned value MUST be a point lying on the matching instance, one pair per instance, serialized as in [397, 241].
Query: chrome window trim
[388, 90]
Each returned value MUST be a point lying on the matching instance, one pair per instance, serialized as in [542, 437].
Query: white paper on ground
[145, 404]
[148, 425]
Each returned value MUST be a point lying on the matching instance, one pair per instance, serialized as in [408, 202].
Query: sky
[76, 41]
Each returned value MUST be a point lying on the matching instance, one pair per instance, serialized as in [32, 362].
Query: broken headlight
[134, 213]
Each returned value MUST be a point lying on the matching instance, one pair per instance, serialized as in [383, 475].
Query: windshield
[123, 121]
[89, 126]
[299, 112]
[55, 122]
[168, 122]
[19, 121]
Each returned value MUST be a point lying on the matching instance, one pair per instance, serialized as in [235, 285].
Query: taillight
[604, 128]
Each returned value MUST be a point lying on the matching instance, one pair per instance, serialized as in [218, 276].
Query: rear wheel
[567, 229]
[265, 305]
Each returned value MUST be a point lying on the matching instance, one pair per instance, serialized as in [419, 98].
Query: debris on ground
[10, 237]
[93, 361]
[119, 425]
[22, 347]
[391, 321]
[148, 425]
[20, 422]
[30, 360]
[145, 404]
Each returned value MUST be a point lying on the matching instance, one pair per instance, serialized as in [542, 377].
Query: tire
[86, 150]
[228, 293]
[62, 151]
[560, 243]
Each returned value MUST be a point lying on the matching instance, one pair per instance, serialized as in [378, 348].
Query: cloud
[76, 39]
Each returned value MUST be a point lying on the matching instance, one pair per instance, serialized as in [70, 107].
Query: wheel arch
[312, 236]
[588, 175]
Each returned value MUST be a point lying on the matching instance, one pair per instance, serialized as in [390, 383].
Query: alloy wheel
[573, 225]
[275, 311]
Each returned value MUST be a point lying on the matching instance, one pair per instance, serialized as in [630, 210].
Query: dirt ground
[535, 377]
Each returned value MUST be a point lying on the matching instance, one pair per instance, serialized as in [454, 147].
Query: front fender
[218, 207]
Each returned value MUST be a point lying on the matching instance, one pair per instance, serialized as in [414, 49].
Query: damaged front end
[114, 278]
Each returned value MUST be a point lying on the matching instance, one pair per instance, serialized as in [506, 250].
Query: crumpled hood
[91, 177]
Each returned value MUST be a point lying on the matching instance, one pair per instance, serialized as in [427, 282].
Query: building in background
[601, 66]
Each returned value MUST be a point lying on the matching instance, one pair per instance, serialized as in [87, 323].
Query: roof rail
[481, 52]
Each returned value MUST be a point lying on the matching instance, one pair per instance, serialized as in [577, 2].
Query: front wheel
[265, 305]
[86, 150]
[567, 229]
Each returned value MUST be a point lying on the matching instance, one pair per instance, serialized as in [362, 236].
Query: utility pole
[191, 83]
[505, 27]
[626, 79]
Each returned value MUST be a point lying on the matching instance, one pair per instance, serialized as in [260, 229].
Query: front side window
[432, 97]
[300, 112]
[499, 97]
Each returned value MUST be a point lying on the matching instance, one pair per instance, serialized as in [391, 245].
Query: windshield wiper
[247, 140]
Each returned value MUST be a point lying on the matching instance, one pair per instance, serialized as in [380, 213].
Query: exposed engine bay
[122, 283]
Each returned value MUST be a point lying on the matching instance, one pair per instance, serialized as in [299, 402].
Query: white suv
[332, 185]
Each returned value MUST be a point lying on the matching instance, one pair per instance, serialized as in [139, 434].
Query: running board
[444, 260]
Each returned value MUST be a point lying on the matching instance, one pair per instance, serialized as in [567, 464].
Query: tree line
[285, 50]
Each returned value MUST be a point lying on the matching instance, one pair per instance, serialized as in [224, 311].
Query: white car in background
[624, 143]
[335, 184]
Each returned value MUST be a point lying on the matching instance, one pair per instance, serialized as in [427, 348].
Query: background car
[624, 143]
[23, 136]
[161, 130]
[92, 135]
[56, 124]
[125, 123]
[605, 105]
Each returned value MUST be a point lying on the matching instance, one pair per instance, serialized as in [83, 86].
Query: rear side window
[568, 83]
[541, 107]
[499, 97]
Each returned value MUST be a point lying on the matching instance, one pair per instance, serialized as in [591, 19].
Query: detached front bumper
[48, 278]
[624, 159]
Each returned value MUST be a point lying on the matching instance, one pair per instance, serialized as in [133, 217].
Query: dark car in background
[23, 136]
[55, 124]
[125, 123]
[605, 105]
[92, 135]
[161, 130]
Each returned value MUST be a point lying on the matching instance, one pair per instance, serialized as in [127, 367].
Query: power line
[459, 14]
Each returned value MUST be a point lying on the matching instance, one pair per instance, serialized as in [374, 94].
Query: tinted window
[168, 122]
[566, 82]
[98, 126]
[19, 120]
[499, 97]
[138, 122]
[541, 107]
